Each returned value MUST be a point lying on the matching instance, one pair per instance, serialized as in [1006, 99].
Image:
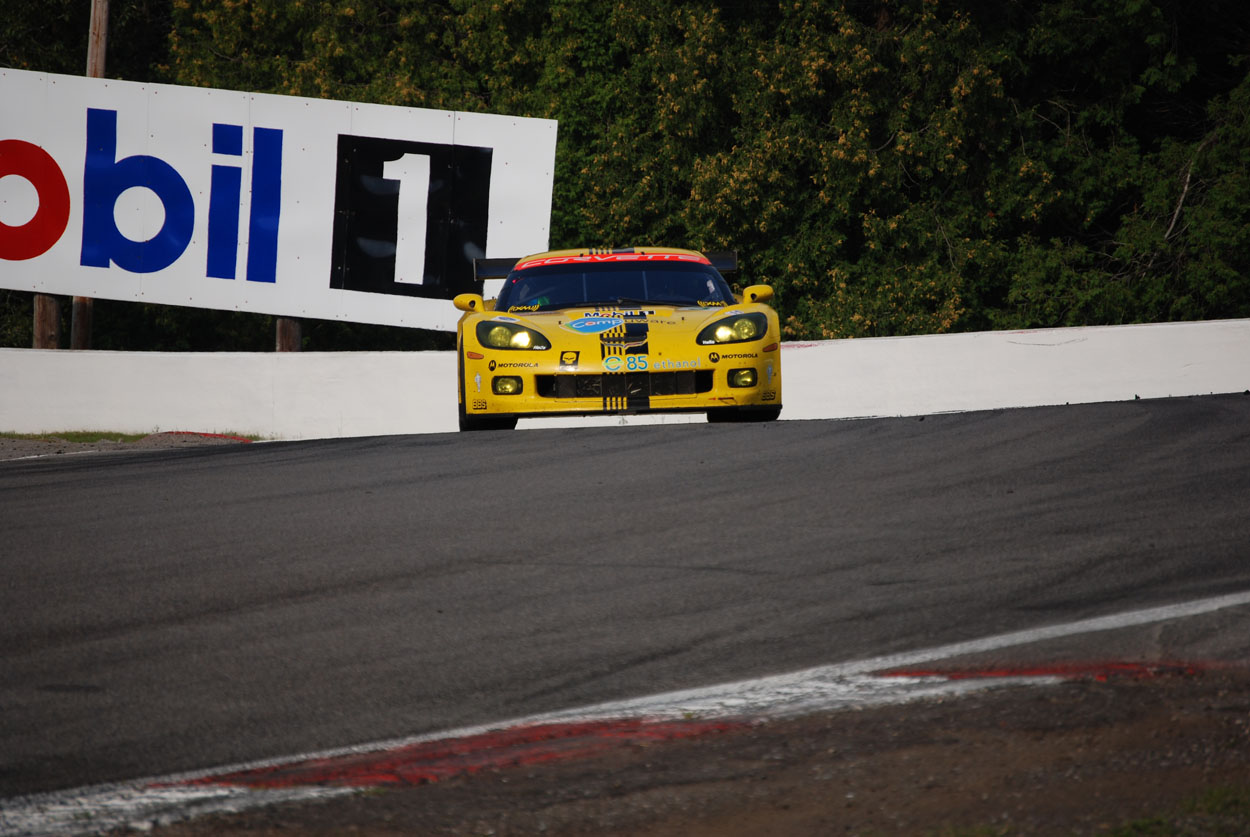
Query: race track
[174, 610]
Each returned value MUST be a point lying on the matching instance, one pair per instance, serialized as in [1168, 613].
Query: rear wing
[725, 261]
[492, 268]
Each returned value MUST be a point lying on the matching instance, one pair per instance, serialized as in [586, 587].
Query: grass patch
[1221, 801]
[1218, 811]
[94, 436]
[77, 436]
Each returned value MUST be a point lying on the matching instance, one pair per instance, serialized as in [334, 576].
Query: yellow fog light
[743, 378]
[506, 385]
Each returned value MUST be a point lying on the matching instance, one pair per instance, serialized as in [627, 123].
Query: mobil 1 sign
[271, 204]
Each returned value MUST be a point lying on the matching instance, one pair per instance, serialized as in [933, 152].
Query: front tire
[721, 415]
[468, 422]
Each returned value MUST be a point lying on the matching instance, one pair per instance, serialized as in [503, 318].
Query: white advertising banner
[269, 204]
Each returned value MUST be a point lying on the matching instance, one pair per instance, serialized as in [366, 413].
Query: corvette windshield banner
[270, 204]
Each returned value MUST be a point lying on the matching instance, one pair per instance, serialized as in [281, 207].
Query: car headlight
[494, 334]
[740, 329]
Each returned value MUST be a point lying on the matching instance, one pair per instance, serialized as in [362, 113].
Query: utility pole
[288, 334]
[97, 44]
[47, 322]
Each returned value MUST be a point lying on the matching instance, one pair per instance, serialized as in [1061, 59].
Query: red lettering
[36, 236]
[613, 257]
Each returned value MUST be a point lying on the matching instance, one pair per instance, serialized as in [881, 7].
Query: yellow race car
[639, 330]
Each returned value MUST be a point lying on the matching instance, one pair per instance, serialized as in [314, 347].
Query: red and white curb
[571, 734]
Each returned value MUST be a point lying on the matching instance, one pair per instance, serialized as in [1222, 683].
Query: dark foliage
[889, 166]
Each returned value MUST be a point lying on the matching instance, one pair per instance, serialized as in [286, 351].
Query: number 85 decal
[631, 363]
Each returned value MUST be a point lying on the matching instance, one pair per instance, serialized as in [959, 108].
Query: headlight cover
[495, 334]
[741, 328]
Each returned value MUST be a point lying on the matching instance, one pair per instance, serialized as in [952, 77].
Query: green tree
[890, 166]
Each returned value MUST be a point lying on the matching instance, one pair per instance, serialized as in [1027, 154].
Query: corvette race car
[639, 330]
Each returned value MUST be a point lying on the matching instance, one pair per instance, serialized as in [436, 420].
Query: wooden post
[97, 38]
[81, 314]
[288, 335]
[97, 42]
[47, 322]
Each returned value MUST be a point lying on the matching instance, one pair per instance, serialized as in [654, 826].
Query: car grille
[624, 385]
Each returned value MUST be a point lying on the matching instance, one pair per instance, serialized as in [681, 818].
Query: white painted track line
[139, 803]
[834, 686]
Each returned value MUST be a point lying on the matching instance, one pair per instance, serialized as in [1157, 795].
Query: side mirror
[470, 302]
[757, 293]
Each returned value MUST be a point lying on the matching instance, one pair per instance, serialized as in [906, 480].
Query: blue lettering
[262, 244]
[105, 178]
[223, 204]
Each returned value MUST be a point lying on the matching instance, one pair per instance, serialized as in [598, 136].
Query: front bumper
[641, 385]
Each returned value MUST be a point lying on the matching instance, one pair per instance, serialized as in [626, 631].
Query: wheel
[468, 422]
[486, 422]
[736, 414]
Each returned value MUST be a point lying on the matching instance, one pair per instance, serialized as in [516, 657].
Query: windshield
[631, 283]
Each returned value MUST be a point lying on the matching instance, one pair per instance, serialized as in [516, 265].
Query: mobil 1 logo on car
[272, 204]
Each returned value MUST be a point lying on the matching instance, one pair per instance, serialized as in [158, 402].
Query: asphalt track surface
[167, 611]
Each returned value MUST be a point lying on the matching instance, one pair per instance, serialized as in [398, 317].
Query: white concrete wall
[282, 396]
[328, 394]
[900, 376]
